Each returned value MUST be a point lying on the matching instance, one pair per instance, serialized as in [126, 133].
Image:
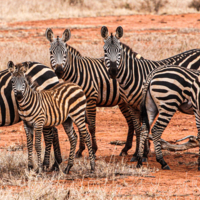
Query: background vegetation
[22, 10]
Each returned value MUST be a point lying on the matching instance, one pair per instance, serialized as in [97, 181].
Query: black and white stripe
[62, 104]
[91, 74]
[131, 72]
[195, 99]
[166, 90]
[45, 79]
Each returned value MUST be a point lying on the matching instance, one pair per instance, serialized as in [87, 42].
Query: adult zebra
[62, 104]
[131, 72]
[167, 89]
[92, 76]
[195, 99]
[45, 78]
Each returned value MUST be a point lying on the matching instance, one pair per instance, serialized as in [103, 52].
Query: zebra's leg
[38, 133]
[48, 139]
[157, 131]
[81, 146]
[29, 136]
[68, 126]
[80, 123]
[149, 112]
[128, 116]
[57, 152]
[156, 134]
[136, 121]
[51, 136]
[91, 114]
[197, 116]
[143, 138]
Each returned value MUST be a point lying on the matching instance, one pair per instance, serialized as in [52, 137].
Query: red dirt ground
[183, 180]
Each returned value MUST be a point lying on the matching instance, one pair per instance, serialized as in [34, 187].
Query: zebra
[166, 90]
[92, 76]
[195, 100]
[64, 104]
[131, 72]
[9, 115]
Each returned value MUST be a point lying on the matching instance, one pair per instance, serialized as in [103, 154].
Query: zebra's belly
[109, 95]
[186, 108]
[55, 120]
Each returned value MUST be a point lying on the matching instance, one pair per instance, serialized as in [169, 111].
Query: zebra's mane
[73, 50]
[127, 49]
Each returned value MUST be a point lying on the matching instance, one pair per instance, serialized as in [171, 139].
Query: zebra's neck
[27, 95]
[130, 51]
[73, 50]
[133, 71]
[70, 69]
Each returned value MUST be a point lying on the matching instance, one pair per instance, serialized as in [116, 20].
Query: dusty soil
[183, 180]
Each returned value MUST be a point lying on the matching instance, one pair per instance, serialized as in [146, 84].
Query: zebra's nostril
[19, 95]
[58, 68]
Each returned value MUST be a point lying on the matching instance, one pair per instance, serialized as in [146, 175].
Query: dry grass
[18, 183]
[23, 10]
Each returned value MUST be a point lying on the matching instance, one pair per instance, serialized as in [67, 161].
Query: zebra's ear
[66, 35]
[119, 32]
[49, 34]
[11, 66]
[104, 32]
[25, 66]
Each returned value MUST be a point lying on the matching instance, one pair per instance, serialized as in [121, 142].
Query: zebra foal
[45, 79]
[167, 89]
[64, 104]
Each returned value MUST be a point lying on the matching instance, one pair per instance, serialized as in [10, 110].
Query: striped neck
[134, 70]
[70, 68]
[27, 95]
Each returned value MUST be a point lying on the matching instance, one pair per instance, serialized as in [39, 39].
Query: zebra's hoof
[38, 170]
[166, 167]
[78, 154]
[67, 169]
[133, 159]
[44, 168]
[144, 159]
[92, 167]
[30, 167]
[54, 167]
[123, 153]
[139, 165]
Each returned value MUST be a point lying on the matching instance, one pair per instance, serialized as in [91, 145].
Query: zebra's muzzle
[113, 71]
[59, 71]
[18, 95]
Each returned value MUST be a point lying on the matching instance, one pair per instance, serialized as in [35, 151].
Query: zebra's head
[18, 78]
[58, 50]
[112, 50]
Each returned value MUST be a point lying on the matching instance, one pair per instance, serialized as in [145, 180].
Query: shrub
[195, 4]
[152, 5]
[75, 2]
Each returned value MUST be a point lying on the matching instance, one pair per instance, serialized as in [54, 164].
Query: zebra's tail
[143, 114]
